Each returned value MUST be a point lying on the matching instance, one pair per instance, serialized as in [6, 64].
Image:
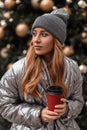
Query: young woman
[23, 87]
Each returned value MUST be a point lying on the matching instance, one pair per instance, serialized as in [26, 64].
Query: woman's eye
[44, 34]
[34, 34]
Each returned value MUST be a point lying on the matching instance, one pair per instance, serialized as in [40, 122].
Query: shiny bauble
[22, 29]
[68, 50]
[7, 14]
[84, 14]
[83, 68]
[35, 4]
[8, 46]
[46, 5]
[84, 34]
[84, 38]
[10, 4]
[9, 66]
[54, 7]
[24, 52]
[4, 53]
[2, 32]
[82, 4]
[1, 4]
[69, 1]
[67, 9]
[3, 23]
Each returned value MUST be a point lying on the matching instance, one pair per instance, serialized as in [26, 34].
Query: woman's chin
[38, 53]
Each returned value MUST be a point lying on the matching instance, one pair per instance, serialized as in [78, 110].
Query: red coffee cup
[54, 95]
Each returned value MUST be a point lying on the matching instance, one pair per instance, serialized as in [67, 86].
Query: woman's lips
[37, 47]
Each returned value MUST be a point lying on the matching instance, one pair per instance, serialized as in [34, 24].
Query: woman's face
[43, 41]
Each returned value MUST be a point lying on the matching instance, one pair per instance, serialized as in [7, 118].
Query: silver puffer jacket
[25, 114]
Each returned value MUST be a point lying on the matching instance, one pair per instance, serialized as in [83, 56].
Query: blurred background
[16, 18]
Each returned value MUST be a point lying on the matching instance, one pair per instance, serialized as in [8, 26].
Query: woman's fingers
[48, 116]
[61, 108]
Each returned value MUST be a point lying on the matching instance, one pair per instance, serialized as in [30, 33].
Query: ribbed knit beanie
[54, 22]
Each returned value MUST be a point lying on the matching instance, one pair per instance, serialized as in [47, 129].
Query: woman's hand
[60, 110]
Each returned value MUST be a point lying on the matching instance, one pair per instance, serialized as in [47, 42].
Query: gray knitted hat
[54, 22]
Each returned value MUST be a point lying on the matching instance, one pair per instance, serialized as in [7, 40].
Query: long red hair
[32, 75]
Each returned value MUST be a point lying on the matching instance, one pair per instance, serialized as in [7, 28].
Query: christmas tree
[16, 18]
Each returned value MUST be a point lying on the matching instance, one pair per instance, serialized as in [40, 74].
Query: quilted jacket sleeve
[12, 110]
[75, 99]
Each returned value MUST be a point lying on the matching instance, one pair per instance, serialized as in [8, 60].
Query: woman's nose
[37, 38]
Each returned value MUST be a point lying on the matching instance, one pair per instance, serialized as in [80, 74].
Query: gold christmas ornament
[9, 66]
[8, 46]
[69, 1]
[7, 14]
[35, 4]
[3, 23]
[84, 14]
[4, 53]
[83, 68]
[2, 32]
[1, 4]
[46, 5]
[18, 1]
[84, 34]
[11, 20]
[24, 52]
[84, 38]
[68, 50]
[10, 4]
[22, 29]
[86, 103]
[82, 4]
[54, 7]
[67, 9]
